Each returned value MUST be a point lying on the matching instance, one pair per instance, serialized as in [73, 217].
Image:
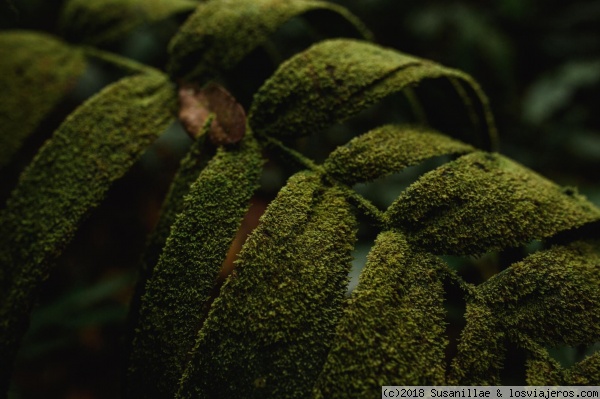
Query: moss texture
[282, 325]
[386, 150]
[335, 79]
[550, 298]
[172, 307]
[37, 71]
[483, 202]
[392, 331]
[69, 176]
[106, 22]
[221, 33]
[273, 323]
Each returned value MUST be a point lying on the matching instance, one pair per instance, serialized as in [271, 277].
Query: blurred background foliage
[538, 61]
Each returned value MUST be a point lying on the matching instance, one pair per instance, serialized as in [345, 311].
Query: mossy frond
[69, 176]
[392, 331]
[552, 296]
[335, 79]
[219, 34]
[172, 307]
[586, 372]
[482, 202]
[481, 349]
[273, 323]
[105, 22]
[388, 149]
[37, 71]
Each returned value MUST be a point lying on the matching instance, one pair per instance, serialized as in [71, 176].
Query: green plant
[282, 324]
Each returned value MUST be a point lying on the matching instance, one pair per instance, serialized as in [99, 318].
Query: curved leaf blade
[481, 349]
[586, 372]
[69, 176]
[273, 323]
[172, 307]
[221, 33]
[482, 202]
[37, 71]
[103, 22]
[552, 296]
[386, 150]
[335, 79]
[392, 331]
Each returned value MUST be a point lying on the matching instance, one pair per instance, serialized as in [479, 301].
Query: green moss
[586, 372]
[172, 307]
[481, 349]
[37, 72]
[221, 33]
[69, 176]
[336, 79]
[386, 150]
[269, 332]
[552, 296]
[541, 369]
[105, 22]
[392, 331]
[189, 170]
[482, 202]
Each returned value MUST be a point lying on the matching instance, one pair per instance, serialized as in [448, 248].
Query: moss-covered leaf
[481, 350]
[586, 372]
[388, 149]
[541, 369]
[221, 33]
[37, 72]
[172, 307]
[103, 22]
[334, 80]
[269, 332]
[70, 175]
[392, 331]
[552, 296]
[482, 202]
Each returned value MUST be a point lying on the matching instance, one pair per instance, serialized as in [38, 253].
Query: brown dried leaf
[196, 105]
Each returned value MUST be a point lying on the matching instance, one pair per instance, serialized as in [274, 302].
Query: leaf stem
[124, 63]
[301, 161]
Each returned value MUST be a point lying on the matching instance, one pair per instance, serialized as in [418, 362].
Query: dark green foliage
[480, 351]
[37, 72]
[586, 372]
[387, 150]
[68, 177]
[273, 323]
[105, 22]
[482, 202]
[172, 307]
[337, 78]
[220, 34]
[284, 324]
[552, 296]
[405, 344]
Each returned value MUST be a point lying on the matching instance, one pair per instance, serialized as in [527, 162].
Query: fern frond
[392, 331]
[38, 71]
[483, 202]
[105, 22]
[173, 306]
[219, 34]
[335, 79]
[69, 176]
[273, 323]
[386, 150]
